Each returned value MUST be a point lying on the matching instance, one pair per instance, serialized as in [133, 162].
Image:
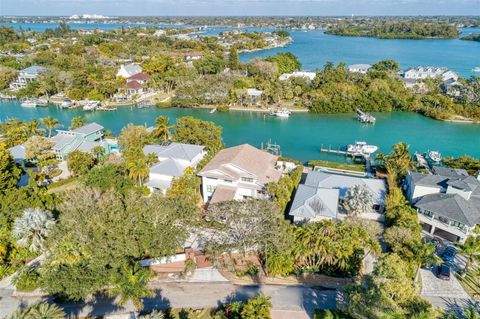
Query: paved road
[285, 299]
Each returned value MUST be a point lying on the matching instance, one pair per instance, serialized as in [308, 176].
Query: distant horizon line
[234, 16]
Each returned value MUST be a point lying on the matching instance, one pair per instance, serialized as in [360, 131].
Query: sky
[239, 7]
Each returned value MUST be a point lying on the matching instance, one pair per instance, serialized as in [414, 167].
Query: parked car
[449, 253]
[443, 271]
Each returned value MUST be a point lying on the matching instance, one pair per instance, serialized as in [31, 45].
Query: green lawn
[343, 166]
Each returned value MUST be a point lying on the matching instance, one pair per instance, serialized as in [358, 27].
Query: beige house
[238, 173]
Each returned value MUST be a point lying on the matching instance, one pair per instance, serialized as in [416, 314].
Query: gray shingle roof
[311, 202]
[449, 172]
[175, 150]
[61, 140]
[429, 180]
[89, 128]
[343, 183]
[451, 206]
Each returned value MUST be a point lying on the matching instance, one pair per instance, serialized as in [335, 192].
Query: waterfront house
[174, 159]
[309, 76]
[448, 202]
[26, 76]
[429, 72]
[192, 57]
[451, 87]
[254, 95]
[320, 196]
[359, 68]
[128, 70]
[84, 139]
[239, 172]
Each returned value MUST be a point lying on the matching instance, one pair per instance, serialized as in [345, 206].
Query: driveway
[287, 301]
[445, 294]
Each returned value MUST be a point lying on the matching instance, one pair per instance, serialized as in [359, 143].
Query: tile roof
[451, 206]
[449, 172]
[139, 77]
[134, 85]
[249, 160]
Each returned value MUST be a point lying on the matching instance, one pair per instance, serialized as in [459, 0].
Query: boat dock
[340, 151]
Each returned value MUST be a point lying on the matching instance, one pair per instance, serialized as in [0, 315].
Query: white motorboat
[213, 111]
[477, 69]
[435, 156]
[281, 113]
[29, 103]
[361, 148]
[66, 104]
[91, 106]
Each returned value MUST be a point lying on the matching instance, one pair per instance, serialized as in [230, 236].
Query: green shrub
[223, 108]
[330, 314]
[27, 279]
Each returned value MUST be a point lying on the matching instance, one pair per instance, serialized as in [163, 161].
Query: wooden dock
[339, 151]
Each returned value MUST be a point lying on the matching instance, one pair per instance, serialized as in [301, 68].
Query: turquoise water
[299, 136]
[314, 48]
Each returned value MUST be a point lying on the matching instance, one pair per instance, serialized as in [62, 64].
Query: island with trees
[396, 30]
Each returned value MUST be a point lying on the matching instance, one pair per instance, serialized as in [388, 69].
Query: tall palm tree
[163, 128]
[131, 284]
[138, 169]
[33, 228]
[33, 128]
[50, 123]
[77, 122]
[471, 249]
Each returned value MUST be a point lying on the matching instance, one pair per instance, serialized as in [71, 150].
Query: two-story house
[429, 72]
[84, 139]
[26, 76]
[237, 173]
[448, 202]
[174, 159]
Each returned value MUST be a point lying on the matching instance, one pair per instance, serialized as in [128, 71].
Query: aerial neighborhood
[195, 168]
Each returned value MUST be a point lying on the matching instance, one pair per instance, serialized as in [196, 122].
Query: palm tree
[163, 128]
[77, 122]
[138, 169]
[358, 200]
[471, 249]
[33, 228]
[131, 284]
[33, 128]
[39, 311]
[50, 123]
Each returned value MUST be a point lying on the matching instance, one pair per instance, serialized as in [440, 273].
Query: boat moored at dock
[29, 103]
[281, 113]
[365, 117]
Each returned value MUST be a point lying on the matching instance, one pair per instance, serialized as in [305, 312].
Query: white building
[173, 160]
[26, 76]
[298, 74]
[129, 70]
[429, 72]
[448, 202]
[321, 195]
[237, 173]
[359, 68]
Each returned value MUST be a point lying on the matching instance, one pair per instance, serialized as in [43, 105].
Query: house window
[210, 188]
[458, 224]
[427, 213]
[227, 181]
[247, 179]
[443, 220]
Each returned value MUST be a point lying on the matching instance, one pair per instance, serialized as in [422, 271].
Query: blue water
[299, 136]
[314, 48]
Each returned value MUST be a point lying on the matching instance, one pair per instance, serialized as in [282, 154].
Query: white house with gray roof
[448, 202]
[174, 159]
[26, 76]
[359, 68]
[320, 196]
[429, 72]
[129, 70]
